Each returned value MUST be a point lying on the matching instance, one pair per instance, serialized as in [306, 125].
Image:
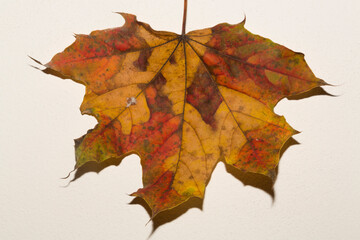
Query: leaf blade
[183, 102]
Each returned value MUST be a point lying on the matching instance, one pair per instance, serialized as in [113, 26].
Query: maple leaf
[183, 102]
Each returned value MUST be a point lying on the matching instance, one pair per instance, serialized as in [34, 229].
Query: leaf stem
[184, 18]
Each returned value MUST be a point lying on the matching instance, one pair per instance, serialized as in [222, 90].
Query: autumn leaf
[183, 102]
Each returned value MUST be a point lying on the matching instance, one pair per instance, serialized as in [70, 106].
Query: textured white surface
[318, 188]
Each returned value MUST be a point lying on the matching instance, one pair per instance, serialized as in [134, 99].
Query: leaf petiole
[184, 18]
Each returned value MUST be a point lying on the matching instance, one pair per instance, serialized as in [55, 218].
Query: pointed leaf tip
[128, 17]
[244, 20]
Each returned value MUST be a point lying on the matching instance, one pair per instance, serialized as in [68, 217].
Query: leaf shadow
[168, 215]
[258, 180]
[252, 179]
[162, 217]
[93, 167]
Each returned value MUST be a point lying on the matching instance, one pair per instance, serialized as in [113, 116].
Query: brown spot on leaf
[157, 100]
[204, 96]
[172, 60]
[142, 62]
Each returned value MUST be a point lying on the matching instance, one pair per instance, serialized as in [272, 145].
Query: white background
[318, 187]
